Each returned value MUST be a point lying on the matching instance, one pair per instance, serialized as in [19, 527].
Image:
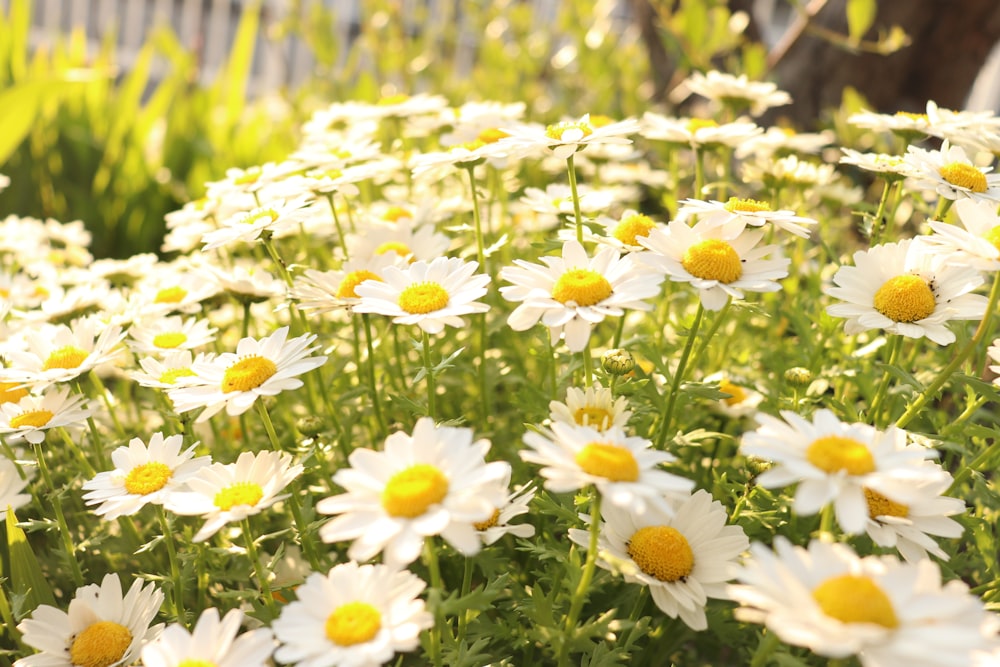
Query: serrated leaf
[25, 573]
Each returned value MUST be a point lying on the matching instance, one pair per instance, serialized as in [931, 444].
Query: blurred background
[118, 111]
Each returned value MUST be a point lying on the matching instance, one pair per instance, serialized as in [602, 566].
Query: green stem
[103, 393]
[932, 389]
[477, 220]
[175, 570]
[895, 345]
[466, 615]
[582, 588]
[336, 222]
[588, 364]
[265, 586]
[67, 538]
[716, 323]
[372, 383]
[879, 223]
[768, 644]
[578, 215]
[699, 172]
[666, 418]
[967, 470]
[431, 380]
[434, 568]
[276, 258]
[943, 206]
[826, 520]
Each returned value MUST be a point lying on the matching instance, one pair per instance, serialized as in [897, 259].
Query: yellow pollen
[396, 213]
[713, 259]
[241, 493]
[879, 505]
[993, 237]
[906, 298]
[557, 130]
[834, 453]
[489, 523]
[600, 120]
[171, 376]
[612, 462]
[195, 662]
[696, 124]
[41, 291]
[661, 552]
[469, 145]
[492, 135]
[9, 393]
[736, 393]
[593, 416]
[250, 176]
[746, 205]
[170, 295]
[410, 492]
[4, 292]
[582, 287]
[248, 373]
[353, 623]
[268, 213]
[390, 100]
[397, 247]
[964, 175]
[33, 418]
[854, 599]
[169, 340]
[147, 478]
[100, 644]
[910, 115]
[423, 298]
[633, 226]
[66, 357]
[352, 280]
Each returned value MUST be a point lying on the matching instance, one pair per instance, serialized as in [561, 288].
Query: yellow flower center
[396, 213]
[170, 295]
[100, 644]
[147, 478]
[964, 175]
[661, 552]
[582, 287]
[171, 376]
[269, 213]
[558, 130]
[410, 492]
[489, 523]
[170, 340]
[906, 298]
[195, 662]
[746, 205]
[713, 259]
[353, 623]
[251, 175]
[69, 356]
[736, 393]
[879, 505]
[33, 418]
[422, 298]
[632, 227]
[855, 599]
[593, 416]
[468, 145]
[613, 462]
[397, 247]
[248, 373]
[834, 453]
[10, 393]
[696, 124]
[241, 493]
[492, 135]
[600, 120]
[910, 115]
[993, 236]
[352, 280]
[390, 100]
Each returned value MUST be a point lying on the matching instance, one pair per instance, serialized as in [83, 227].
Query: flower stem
[67, 538]
[578, 215]
[666, 419]
[768, 643]
[879, 223]
[580, 594]
[431, 381]
[943, 206]
[895, 345]
[372, 384]
[175, 570]
[932, 389]
[265, 586]
[967, 470]
[464, 617]
[588, 364]
[484, 396]
[434, 568]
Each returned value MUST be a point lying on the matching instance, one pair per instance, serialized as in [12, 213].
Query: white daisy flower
[11, 487]
[142, 475]
[515, 505]
[246, 281]
[272, 219]
[212, 641]
[234, 381]
[729, 90]
[29, 418]
[836, 604]
[904, 289]
[430, 295]
[697, 132]
[975, 242]
[684, 557]
[720, 261]
[161, 335]
[435, 482]
[565, 138]
[101, 628]
[625, 232]
[572, 293]
[462, 156]
[781, 140]
[889, 167]
[750, 212]
[909, 527]
[594, 406]
[741, 402]
[902, 122]
[172, 370]
[179, 287]
[950, 173]
[625, 469]
[60, 353]
[407, 241]
[327, 291]
[354, 616]
[833, 461]
[224, 493]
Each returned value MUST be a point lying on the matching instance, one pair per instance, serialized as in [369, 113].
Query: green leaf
[860, 17]
[26, 575]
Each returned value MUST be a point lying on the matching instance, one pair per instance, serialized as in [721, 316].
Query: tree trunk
[950, 41]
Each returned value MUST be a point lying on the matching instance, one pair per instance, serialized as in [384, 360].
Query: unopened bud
[618, 361]
[798, 376]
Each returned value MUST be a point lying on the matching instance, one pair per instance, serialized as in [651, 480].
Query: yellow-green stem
[667, 416]
[67, 538]
[582, 588]
[578, 215]
[175, 570]
[258, 570]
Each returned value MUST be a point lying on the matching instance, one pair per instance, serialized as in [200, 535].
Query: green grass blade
[25, 573]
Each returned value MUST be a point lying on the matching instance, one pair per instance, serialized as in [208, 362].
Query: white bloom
[435, 482]
[354, 616]
[326, 291]
[976, 242]
[213, 641]
[161, 335]
[275, 218]
[747, 211]
[891, 167]
[696, 132]
[565, 138]
[684, 557]
[60, 353]
[904, 289]
[30, 417]
[950, 173]
[594, 406]
[515, 505]
[173, 369]
[11, 487]
[143, 474]
[725, 89]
